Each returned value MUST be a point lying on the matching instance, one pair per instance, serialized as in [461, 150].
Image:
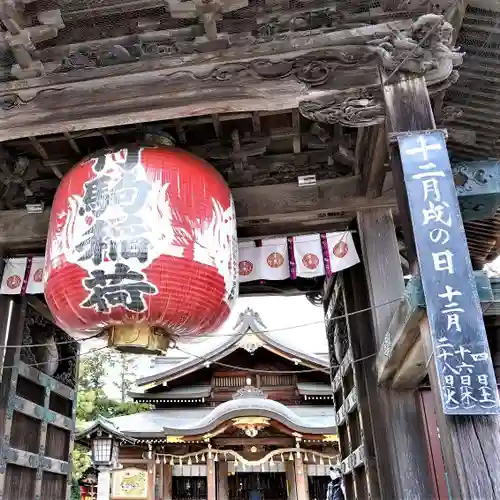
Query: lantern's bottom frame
[139, 339]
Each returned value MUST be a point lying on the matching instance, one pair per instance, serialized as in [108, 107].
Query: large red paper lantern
[142, 243]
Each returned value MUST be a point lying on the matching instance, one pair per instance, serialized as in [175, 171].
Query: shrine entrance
[258, 486]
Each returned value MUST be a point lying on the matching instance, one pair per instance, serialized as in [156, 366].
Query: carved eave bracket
[321, 73]
[358, 108]
[362, 107]
[426, 48]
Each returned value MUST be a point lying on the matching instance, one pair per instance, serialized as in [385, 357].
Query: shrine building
[217, 432]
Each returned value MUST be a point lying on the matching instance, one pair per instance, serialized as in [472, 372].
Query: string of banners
[305, 256]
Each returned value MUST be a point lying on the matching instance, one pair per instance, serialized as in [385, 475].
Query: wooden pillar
[6, 312]
[211, 480]
[290, 480]
[13, 312]
[438, 472]
[151, 480]
[460, 367]
[470, 444]
[222, 481]
[301, 479]
[402, 465]
[6, 308]
[167, 482]
[160, 476]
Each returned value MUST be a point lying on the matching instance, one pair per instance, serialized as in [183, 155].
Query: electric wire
[235, 367]
[274, 372]
[47, 344]
[222, 335]
[66, 358]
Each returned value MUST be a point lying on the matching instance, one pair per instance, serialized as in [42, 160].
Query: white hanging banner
[274, 264]
[308, 256]
[341, 251]
[13, 276]
[249, 259]
[35, 278]
[311, 255]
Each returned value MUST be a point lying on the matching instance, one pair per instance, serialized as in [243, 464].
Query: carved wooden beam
[276, 206]
[274, 76]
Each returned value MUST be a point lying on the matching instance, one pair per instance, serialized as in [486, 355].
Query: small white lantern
[104, 450]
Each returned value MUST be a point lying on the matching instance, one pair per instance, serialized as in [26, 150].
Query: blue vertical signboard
[463, 361]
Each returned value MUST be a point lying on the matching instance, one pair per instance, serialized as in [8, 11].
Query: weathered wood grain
[412, 370]
[273, 75]
[362, 347]
[401, 454]
[402, 332]
[470, 445]
[467, 451]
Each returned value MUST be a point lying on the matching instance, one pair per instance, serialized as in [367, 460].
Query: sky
[286, 315]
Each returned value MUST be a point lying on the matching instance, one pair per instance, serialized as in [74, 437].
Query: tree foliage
[126, 378]
[94, 368]
[93, 402]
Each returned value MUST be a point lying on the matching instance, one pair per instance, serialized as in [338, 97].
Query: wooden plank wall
[37, 419]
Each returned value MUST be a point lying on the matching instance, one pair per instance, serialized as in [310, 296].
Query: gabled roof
[102, 426]
[249, 333]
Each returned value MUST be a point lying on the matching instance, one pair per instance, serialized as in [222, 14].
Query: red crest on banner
[340, 250]
[14, 281]
[310, 260]
[245, 267]
[275, 260]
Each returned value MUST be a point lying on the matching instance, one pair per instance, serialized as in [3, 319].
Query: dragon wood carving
[352, 109]
[363, 108]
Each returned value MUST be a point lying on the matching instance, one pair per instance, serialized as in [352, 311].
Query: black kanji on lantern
[122, 287]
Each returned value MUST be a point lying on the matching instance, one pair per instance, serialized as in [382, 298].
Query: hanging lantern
[141, 244]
